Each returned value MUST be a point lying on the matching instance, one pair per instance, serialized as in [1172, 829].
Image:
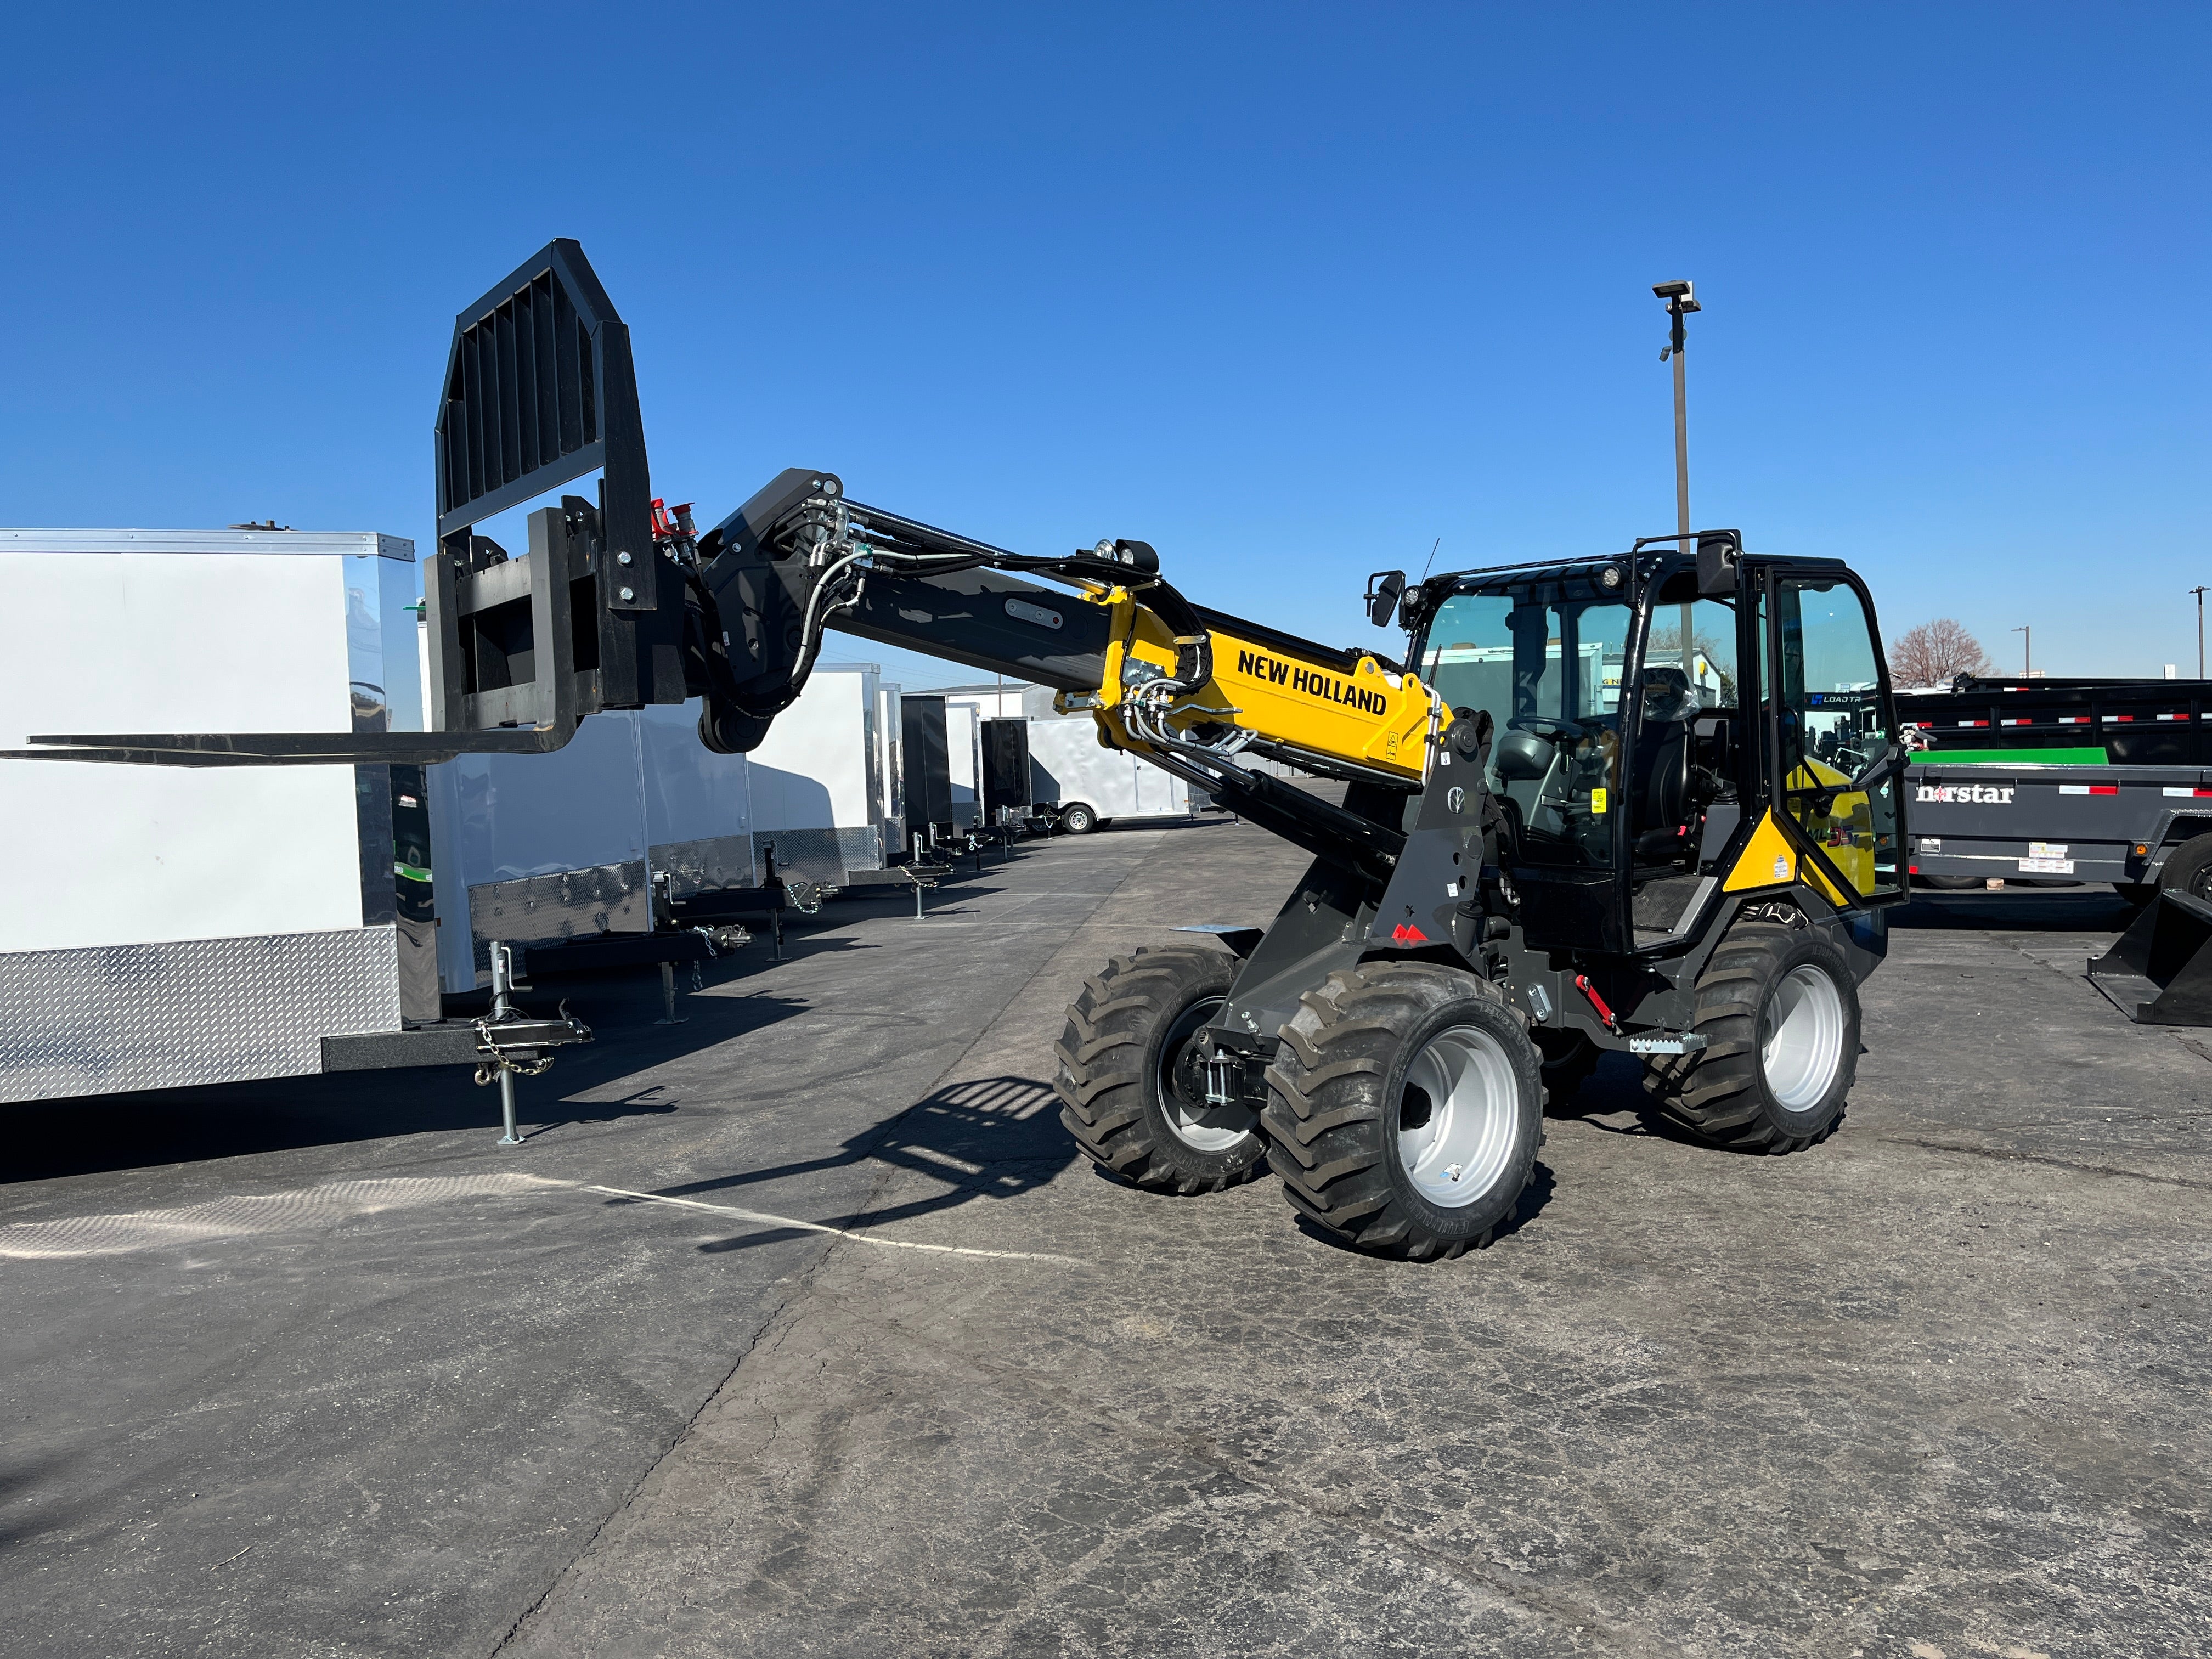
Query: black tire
[1949, 884]
[1723, 1092]
[1569, 1059]
[1132, 1090]
[1077, 819]
[2188, 869]
[1339, 1097]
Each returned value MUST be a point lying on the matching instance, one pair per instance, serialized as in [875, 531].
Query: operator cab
[1638, 743]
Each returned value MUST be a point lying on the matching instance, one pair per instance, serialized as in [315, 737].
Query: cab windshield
[1534, 659]
[1548, 661]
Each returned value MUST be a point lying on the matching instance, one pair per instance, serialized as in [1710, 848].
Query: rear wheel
[1078, 819]
[1404, 1109]
[1779, 1012]
[1132, 1084]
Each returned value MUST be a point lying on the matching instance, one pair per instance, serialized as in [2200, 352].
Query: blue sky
[1289, 292]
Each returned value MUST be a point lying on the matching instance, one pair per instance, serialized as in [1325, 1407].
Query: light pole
[1680, 302]
[2026, 651]
[2199, 593]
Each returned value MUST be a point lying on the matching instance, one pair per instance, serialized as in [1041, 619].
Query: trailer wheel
[2188, 869]
[1131, 1085]
[1078, 819]
[1569, 1059]
[1779, 1012]
[1404, 1109]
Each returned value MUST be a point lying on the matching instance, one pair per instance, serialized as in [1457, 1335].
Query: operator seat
[1520, 761]
[1662, 781]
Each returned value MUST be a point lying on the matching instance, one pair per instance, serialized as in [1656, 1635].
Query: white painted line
[306, 1209]
[762, 1219]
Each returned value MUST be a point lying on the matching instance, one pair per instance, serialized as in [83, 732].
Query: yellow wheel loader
[1646, 802]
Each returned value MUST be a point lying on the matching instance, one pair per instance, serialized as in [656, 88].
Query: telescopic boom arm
[619, 602]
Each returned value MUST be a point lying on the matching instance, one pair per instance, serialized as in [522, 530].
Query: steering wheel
[1545, 725]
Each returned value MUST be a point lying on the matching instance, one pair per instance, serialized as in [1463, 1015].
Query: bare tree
[1933, 653]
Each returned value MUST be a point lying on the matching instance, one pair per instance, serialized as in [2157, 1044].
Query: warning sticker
[2045, 849]
[2046, 867]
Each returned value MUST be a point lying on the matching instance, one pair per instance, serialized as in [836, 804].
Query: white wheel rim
[1200, 1127]
[1458, 1110]
[1801, 1038]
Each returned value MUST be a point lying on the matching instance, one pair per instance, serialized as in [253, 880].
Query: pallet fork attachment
[538, 390]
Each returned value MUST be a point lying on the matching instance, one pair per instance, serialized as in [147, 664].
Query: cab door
[1836, 771]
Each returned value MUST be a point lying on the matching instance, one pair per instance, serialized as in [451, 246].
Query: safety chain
[488, 1071]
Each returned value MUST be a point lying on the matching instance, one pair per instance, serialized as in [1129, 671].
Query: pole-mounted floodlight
[1680, 302]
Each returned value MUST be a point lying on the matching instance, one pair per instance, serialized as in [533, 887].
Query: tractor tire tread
[1103, 1095]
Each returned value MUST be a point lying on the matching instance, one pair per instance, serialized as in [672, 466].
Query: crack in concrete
[2007, 1156]
[1499, 1584]
[799, 1287]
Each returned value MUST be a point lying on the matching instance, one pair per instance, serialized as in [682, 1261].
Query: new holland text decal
[1976, 794]
[1311, 681]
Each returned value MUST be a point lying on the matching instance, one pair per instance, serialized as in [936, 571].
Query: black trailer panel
[926, 756]
[1006, 768]
[2066, 721]
[2083, 822]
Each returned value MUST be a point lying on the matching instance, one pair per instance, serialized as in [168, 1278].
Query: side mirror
[1717, 553]
[1383, 588]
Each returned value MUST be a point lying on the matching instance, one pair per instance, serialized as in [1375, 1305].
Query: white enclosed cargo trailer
[824, 787]
[1080, 783]
[964, 761]
[173, 925]
[578, 844]
[545, 849]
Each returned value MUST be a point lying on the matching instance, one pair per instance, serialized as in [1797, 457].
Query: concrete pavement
[1938, 1386]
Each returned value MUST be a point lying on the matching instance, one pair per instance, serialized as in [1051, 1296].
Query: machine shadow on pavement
[1615, 1088]
[1533, 1197]
[988, 1138]
[89, 1134]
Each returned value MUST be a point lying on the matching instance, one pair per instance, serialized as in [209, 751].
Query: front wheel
[1779, 1012]
[1404, 1109]
[1132, 1082]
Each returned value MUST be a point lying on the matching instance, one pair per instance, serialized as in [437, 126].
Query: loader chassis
[1646, 803]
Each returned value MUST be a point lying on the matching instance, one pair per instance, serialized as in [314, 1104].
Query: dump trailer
[2087, 780]
[2080, 779]
[1648, 801]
